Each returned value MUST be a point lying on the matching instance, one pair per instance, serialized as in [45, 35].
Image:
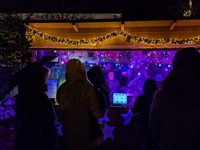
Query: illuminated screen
[120, 98]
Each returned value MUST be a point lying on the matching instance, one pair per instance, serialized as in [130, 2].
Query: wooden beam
[173, 25]
[122, 26]
[75, 27]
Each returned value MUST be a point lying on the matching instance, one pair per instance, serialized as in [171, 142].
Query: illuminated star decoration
[127, 116]
[105, 117]
[107, 131]
[60, 131]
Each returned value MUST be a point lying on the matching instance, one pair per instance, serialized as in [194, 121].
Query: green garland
[34, 32]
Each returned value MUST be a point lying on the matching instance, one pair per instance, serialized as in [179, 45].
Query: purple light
[166, 69]
[146, 68]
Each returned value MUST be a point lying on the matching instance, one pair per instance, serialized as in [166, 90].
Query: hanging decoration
[188, 13]
[127, 116]
[138, 39]
[107, 131]
[105, 117]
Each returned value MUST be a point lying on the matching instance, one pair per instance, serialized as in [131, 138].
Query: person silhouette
[175, 113]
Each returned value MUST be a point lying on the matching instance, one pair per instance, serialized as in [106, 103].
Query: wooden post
[34, 55]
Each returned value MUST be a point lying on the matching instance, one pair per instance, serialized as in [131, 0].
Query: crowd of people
[167, 118]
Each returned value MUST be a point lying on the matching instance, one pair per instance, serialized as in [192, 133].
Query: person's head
[150, 86]
[186, 58]
[124, 70]
[44, 75]
[95, 75]
[75, 69]
[111, 74]
[38, 78]
[108, 66]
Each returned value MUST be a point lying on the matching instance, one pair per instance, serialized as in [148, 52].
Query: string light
[138, 39]
[187, 13]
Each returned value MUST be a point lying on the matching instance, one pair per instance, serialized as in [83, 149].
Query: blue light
[104, 65]
[86, 62]
[169, 65]
[159, 65]
[131, 66]
[90, 65]
[139, 73]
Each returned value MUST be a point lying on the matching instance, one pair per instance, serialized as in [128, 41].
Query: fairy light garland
[138, 39]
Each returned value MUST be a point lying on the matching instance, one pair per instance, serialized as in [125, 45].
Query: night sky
[131, 9]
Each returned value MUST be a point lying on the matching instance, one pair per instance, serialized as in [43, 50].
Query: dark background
[130, 9]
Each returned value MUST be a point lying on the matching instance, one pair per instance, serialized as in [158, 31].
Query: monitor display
[52, 88]
[120, 98]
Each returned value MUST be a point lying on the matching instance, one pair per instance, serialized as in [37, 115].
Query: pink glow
[166, 69]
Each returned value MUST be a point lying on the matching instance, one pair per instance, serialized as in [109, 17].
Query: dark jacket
[35, 120]
[143, 105]
[175, 113]
[101, 86]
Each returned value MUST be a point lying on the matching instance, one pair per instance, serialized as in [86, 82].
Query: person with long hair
[101, 87]
[142, 108]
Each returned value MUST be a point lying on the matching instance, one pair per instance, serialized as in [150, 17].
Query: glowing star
[107, 131]
[105, 117]
[59, 130]
[127, 116]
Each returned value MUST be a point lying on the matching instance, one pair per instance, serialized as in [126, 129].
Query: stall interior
[130, 68]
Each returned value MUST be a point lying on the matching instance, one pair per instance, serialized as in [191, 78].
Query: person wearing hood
[76, 98]
[101, 87]
[142, 108]
[36, 121]
[175, 112]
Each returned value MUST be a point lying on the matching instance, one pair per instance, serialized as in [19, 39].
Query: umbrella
[10, 89]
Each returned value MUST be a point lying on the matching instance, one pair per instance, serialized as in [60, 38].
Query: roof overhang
[94, 29]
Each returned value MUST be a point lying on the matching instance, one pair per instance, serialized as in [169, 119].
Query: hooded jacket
[76, 97]
[175, 112]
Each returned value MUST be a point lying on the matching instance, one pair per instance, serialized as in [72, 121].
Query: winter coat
[142, 105]
[35, 120]
[175, 112]
[76, 98]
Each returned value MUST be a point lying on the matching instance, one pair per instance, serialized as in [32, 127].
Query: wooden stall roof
[77, 30]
